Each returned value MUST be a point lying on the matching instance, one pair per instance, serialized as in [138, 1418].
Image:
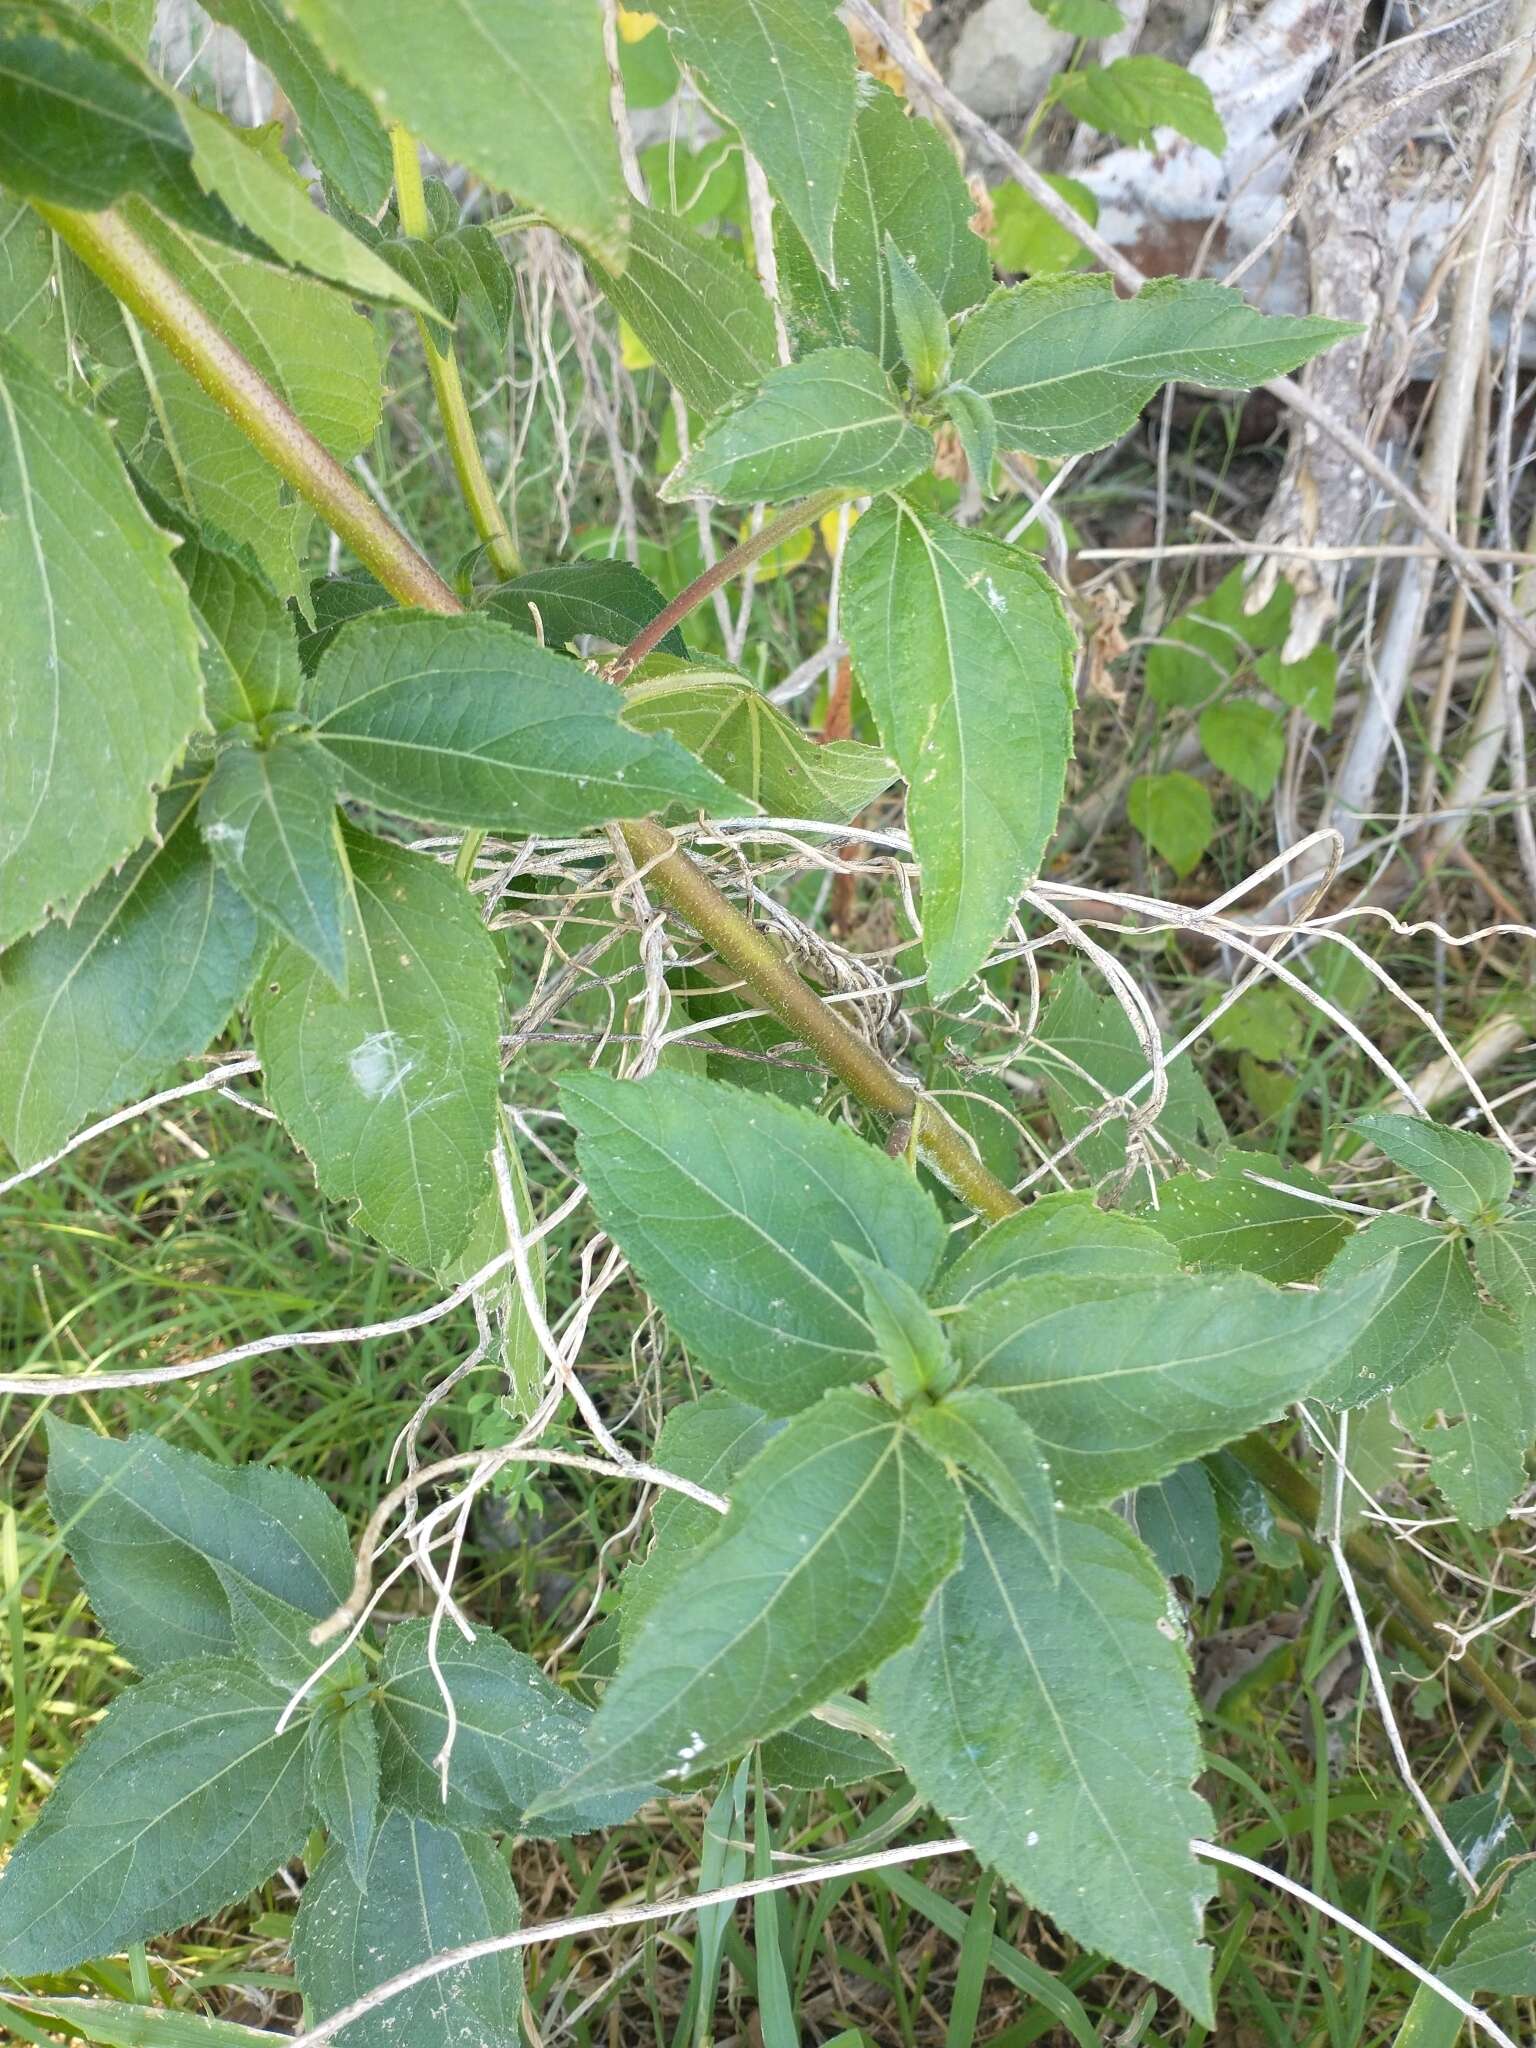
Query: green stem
[447, 385]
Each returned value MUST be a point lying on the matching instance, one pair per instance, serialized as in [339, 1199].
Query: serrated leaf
[1470, 1177]
[971, 417]
[922, 327]
[1505, 1250]
[965, 653]
[700, 312]
[1246, 741]
[1068, 366]
[250, 656]
[93, 1013]
[1310, 684]
[908, 1335]
[514, 90]
[831, 421]
[814, 1754]
[1064, 1234]
[1135, 96]
[1177, 1520]
[151, 1529]
[1052, 1726]
[782, 72]
[391, 1088]
[179, 1802]
[1120, 1389]
[976, 1432]
[333, 600]
[750, 744]
[518, 1738]
[730, 1206]
[269, 818]
[344, 1779]
[1474, 1412]
[341, 130]
[113, 2023]
[568, 601]
[1231, 1220]
[426, 1889]
[100, 688]
[32, 313]
[464, 721]
[1430, 1298]
[1173, 814]
[841, 1515]
[903, 182]
[1025, 238]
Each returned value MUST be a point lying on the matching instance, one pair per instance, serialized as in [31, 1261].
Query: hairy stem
[448, 387]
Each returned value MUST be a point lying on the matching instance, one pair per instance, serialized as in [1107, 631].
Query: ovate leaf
[832, 420]
[425, 1889]
[843, 1516]
[466, 722]
[99, 682]
[965, 653]
[1173, 814]
[730, 1206]
[1246, 741]
[971, 417]
[269, 818]
[910, 1338]
[922, 327]
[1053, 1727]
[180, 1802]
[1135, 96]
[1506, 1256]
[1431, 1297]
[1237, 1219]
[1065, 1234]
[569, 601]
[344, 1778]
[93, 1013]
[975, 1431]
[1178, 1521]
[514, 89]
[113, 2023]
[250, 656]
[1068, 366]
[1475, 1414]
[1025, 238]
[1470, 1177]
[391, 1088]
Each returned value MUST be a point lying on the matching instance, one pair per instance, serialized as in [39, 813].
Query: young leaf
[841, 1515]
[518, 1738]
[750, 744]
[1475, 1414]
[609, 601]
[730, 1206]
[250, 656]
[344, 1778]
[1068, 366]
[151, 1529]
[512, 88]
[93, 1013]
[1246, 741]
[179, 1802]
[782, 72]
[1088, 18]
[976, 1431]
[922, 328]
[269, 818]
[701, 313]
[1177, 1520]
[99, 682]
[1121, 1389]
[965, 653]
[1506, 1256]
[1173, 814]
[1062, 1233]
[1431, 1297]
[909, 1336]
[425, 1889]
[1233, 1221]
[972, 419]
[903, 183]
[113, 2023]
[831, 420]
[465, 722]
[812, 1755]
[391, 1088]
[1052, 1726]
[1025, 239]
[1310, 684]
[1470, 1177]
[1135, 96]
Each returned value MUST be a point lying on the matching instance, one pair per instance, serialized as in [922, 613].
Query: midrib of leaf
[1141, 366]
[962, 841]
[281, 829]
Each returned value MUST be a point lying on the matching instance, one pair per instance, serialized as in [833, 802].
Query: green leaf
[831, 420]
[909, 1336]
[1500, 1955]
[972, 419]
[610, 601]
[700, 312]
[344, 1778]
[1062, 1233]
[1505, 1249]
[425, 1889]
[750, 744]
[250, 657]
[1177, 1520]
[1135, 96]
[99, 682]
[813, 1754]
[841, 1515]
[464, 721]
[1430, 1298]
[1173, 814]
[151, 1529]
[1207, 644]
[518, 1738]
[1089, 18]
[1309, 684]
[33, 315]
[1052, 1726]
[1232, 1220]
[179, 1802]
[922, 327]
[975, 1431]
[1485, 1389]
[118, 2025]
[514, 90]
[782, 72]
[1246, 741]
[965, 654]
[341, 131]
[269, 818]
[333, 601]
[1120, 1389]
[730, 1206]
[1268, 1021]
[1025, 238]
[1068, 366]
[93, 1013]
[903, 183]
[391, 1088]
[1470, 1177]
